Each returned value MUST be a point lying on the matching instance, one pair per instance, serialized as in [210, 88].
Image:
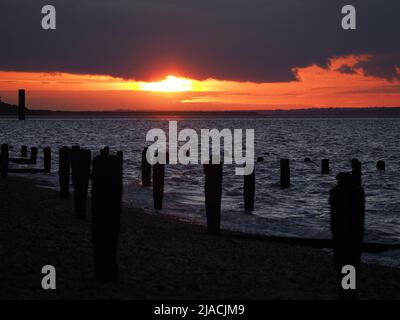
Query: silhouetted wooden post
[146, 170]
[34, 152]
[380, 165]
[285, 173]
[4, 160]
[24, 151]
[106, 212]
[213, 194]
[80, 160]
[73, 160]
[158, 185]
[356, 171]
[64, 165]
[249, 191]
[21, 104]
[47, 159]
[347, 201]
[325, 166]
[105, 151]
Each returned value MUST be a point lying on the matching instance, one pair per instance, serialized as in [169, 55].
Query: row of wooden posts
[346, 200]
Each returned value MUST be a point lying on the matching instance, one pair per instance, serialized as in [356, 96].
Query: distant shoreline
[10, 111]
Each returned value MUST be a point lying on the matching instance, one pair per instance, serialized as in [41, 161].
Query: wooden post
[356, 171]
[4, 160]
[213, 194]
[146, 170]
[249, 190]
[64, 164]
[347, 201]
[47, 159]
[158, 185]
[24, 151]
[105, 151]
[34, 152]
[285, 173]
[21, 104]
[380, 165]
[80, 162]
[325, 166]
[106, 212]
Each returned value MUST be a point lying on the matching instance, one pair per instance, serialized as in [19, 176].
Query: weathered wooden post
[146, 170]
[80, 160]
[325, 166]
[24, 151]
[4, 160]
[34, 152]
[64, 164]
[285, 173]
[347, 201]
[21, 104]
[47, 159]
[105, 151]
[356, 171]
[106, 212]
[158, 185]
[380, 165]
[249, 190]
[213, 194]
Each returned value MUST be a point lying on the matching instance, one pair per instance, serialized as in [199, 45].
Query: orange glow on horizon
[169, 84]
[316, 87]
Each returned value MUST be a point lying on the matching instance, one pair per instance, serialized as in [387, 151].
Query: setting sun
[169, 84]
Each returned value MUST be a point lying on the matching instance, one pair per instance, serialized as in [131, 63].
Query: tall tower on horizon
[21, 104]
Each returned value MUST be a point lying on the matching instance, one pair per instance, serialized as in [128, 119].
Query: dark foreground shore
[159, 258]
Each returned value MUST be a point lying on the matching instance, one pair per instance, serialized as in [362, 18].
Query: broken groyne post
[347, 202]
[24, 151]
[158, 185]
[34, 152]
[106, 212]
[47, 159]
[285, 173]
[80, 163]
[64, 165]
[325, 166]
[4, 160]
[249, 189]
[146, 170]
[380, 165]
[213, 194]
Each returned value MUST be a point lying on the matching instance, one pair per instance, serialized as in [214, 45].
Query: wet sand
[159, 258]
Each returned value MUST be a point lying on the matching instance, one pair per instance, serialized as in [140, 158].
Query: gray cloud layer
[247, 40]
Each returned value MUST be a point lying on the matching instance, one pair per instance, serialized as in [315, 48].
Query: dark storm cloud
[247, 40]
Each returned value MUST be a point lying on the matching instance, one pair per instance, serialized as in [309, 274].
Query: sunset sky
[200, 55]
